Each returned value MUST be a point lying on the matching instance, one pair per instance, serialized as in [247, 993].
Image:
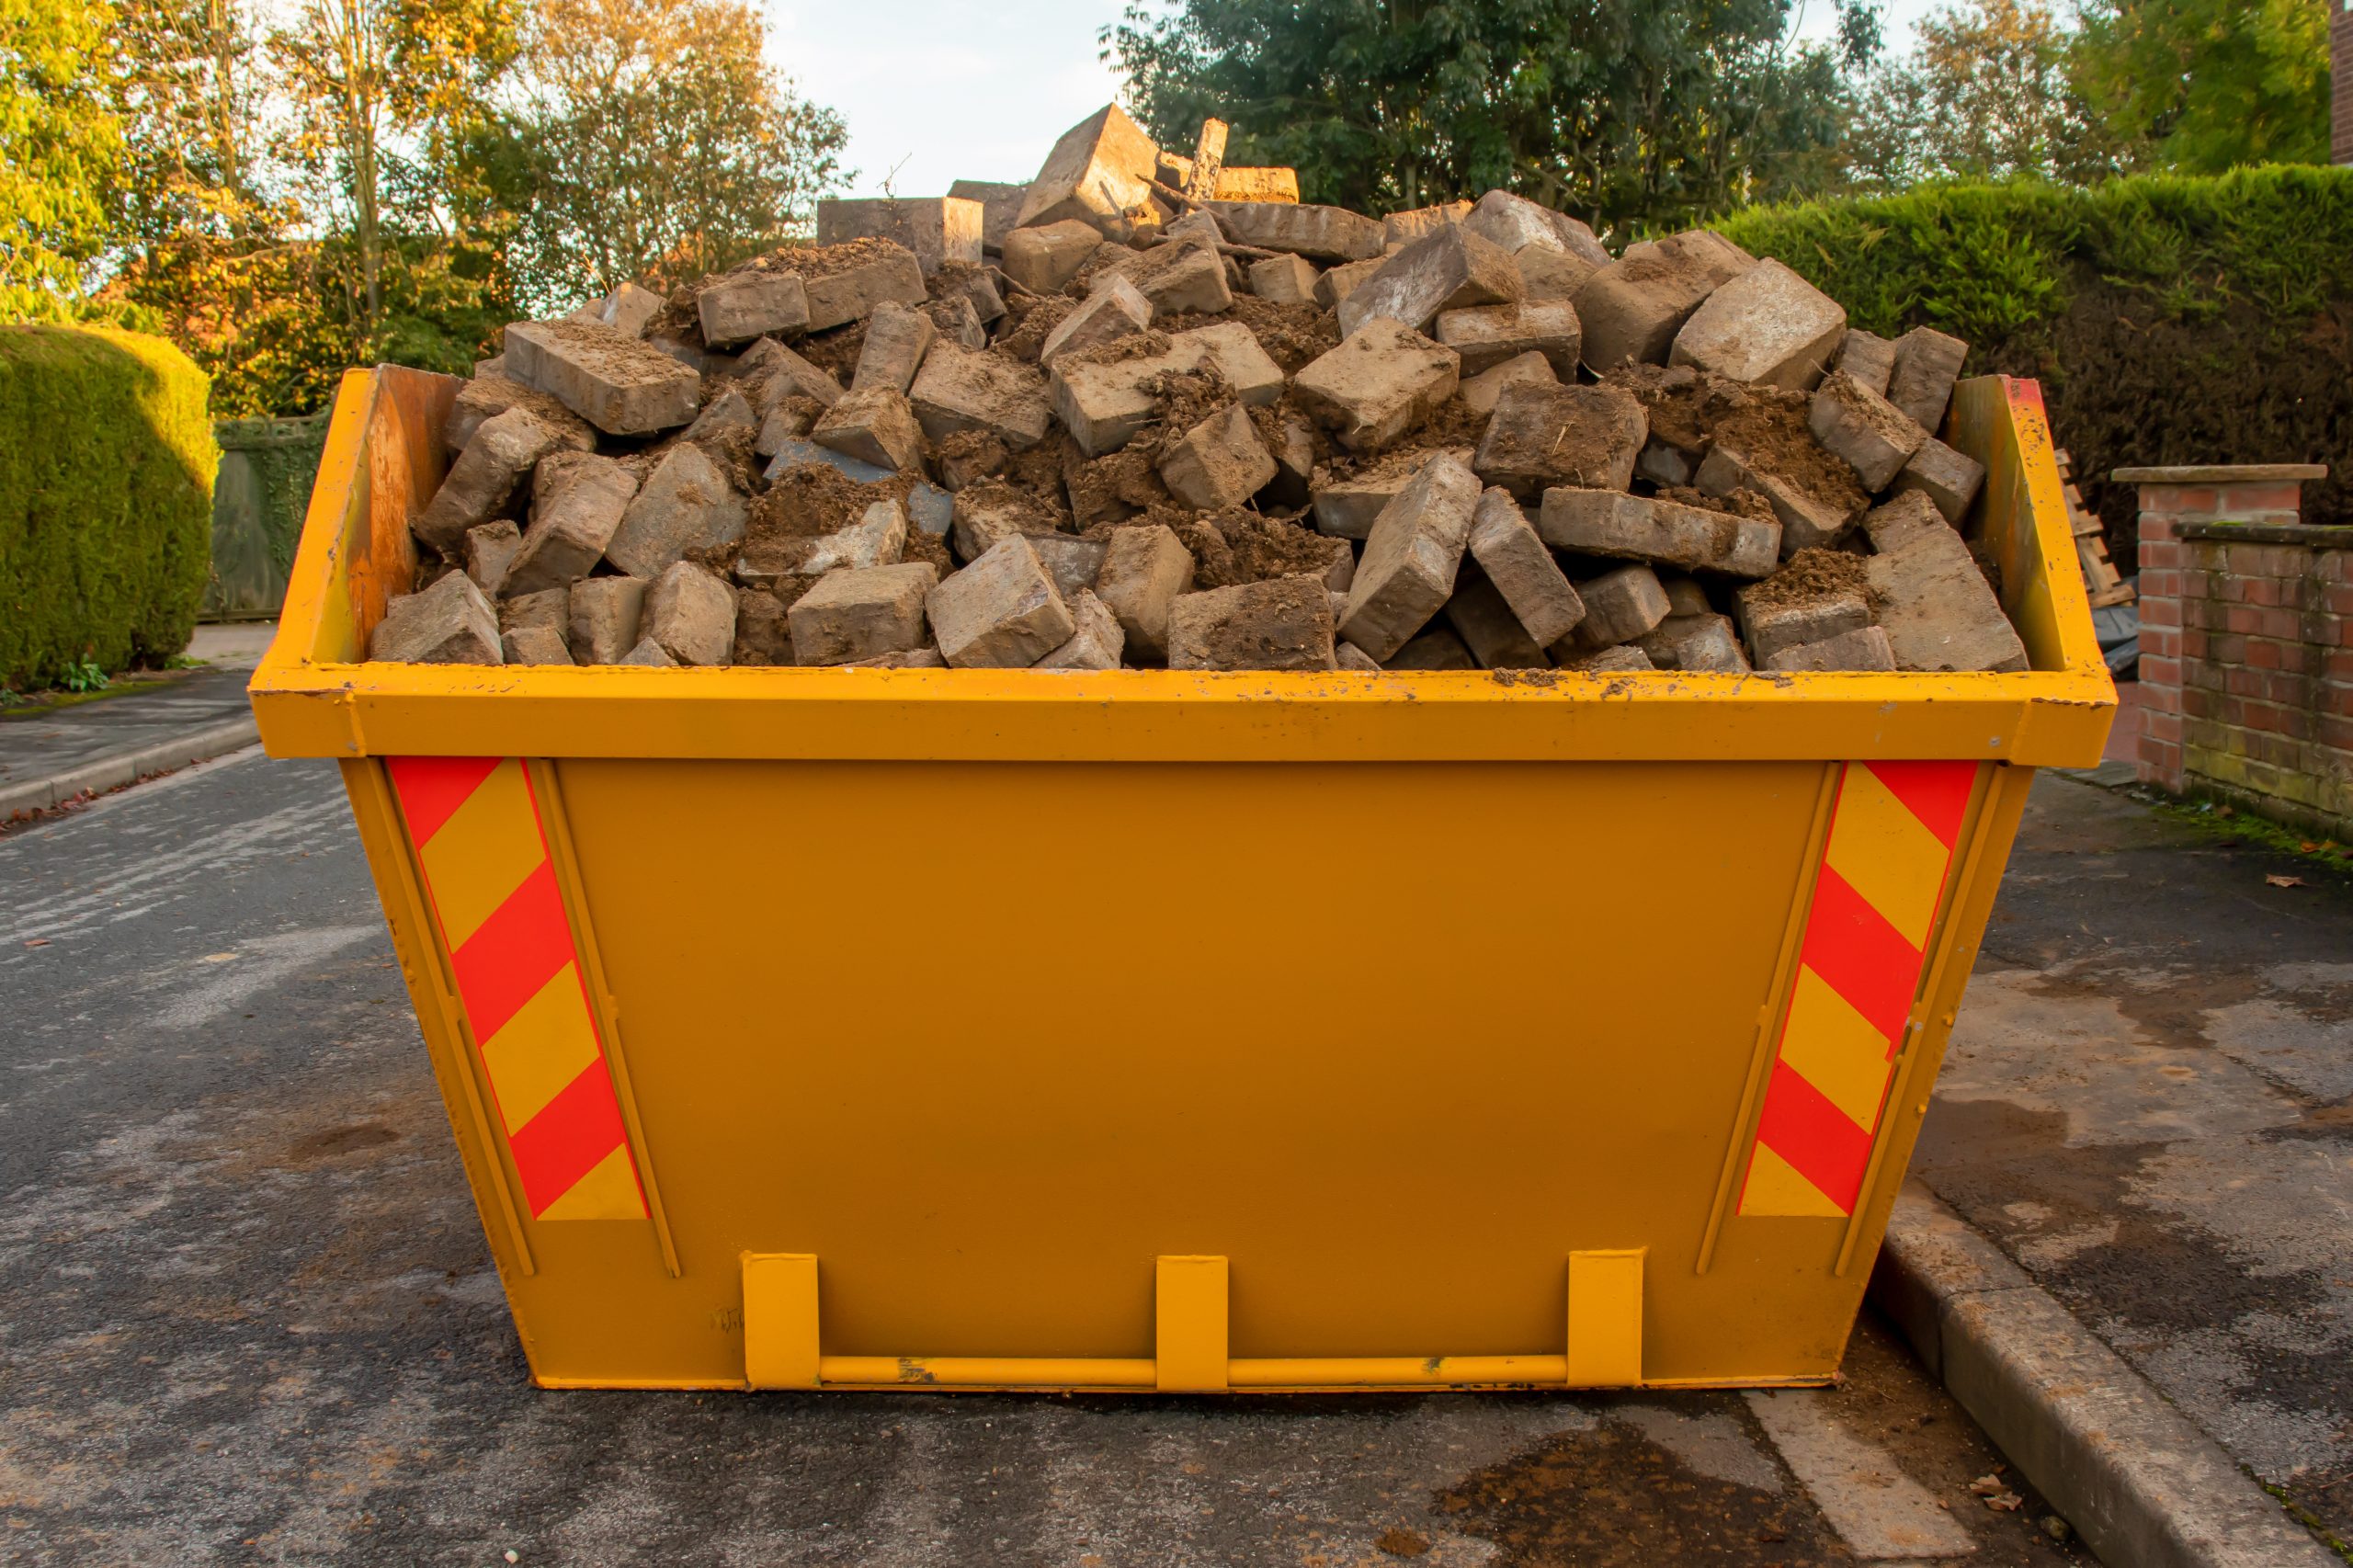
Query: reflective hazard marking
[484, 855]
[1885, 866]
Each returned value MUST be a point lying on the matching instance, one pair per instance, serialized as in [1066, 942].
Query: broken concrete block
[447, 623]
[650, 655]
[897, 339]
[1808, 521]
[1619, 607]
[686, 503]
[1284, 279]
[1481, 392]
[1284, 623]
[534, 645]
[776, 372]
[1906, 517]
[1199, 224]
[1927, 363]
[853, 615]
[958, 321]
[482, 482]
[1095, 645]
[844, 294]
[792, 454]
[876, 426]
[745, 305]
[1867, 357]
[1517, 561]
[1872, 435]
[1484, 621]
[1182, 280]
[1700, 643]
[1866, 649]
[935, 228]
[1951, 479]
[729, 411]
[1411, 558]
[1237, 355]
[930, 509]
[1518, 224]
[690, 615]
[763, 635]
[1936, 607]
[489, 396]
[986, 513]
[1664, 465]
[604, 619]
[1000, 612]
[1117, 309]
[1073, 563]
[1634, 308]
[1349, 656]
[1541, 436]
[1773, 625]
[1686, 597]
[1103, 404]
[1000, 206]
[1344, 281]
[1488, 336]
[1293, 447]
[1404, 228]
[1601, 522]
[1440, 648]
[1220, 462]
[1377, 385]
[1449, 269]
[1044, 259]
[1767, 326]
[878, 538]
[1145, 568]
[621, 385]
[626, 309]
[1624, 660]
[990, 391]
[1099, 173]
[1320, 233]
[550, 609]
[490, 553]
[1548, 276]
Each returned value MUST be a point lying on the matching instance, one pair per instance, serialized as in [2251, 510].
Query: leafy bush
[106, 461]
[2171, 319]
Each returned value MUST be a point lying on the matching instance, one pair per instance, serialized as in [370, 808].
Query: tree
[58, 145]
[1626, 111]
[1988, 94]
[2205, 85]
[663, 146]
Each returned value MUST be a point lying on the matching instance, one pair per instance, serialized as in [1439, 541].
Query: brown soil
[1118, 351]
[922, 545]
[1109, 256]
[1115, 486]
[1040, 469]
[1813, 575]
[822, 261]
[811, 500]
[1181, 400]
[1685, 405]
[1034, 321]
[1770, 433]
[1291, 334]
[1236, 546]
[1741, 502]
[967, 457]
[607, 353]
[835, 352]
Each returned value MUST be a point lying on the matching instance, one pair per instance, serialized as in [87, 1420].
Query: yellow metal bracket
[1190, 1325]
[1606, 1319]
[780, 1320]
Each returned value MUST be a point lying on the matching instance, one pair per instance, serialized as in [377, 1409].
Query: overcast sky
[958, 89]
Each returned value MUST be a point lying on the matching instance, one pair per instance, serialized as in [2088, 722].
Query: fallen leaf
[2285, 881]
[2007, 1503]
[38, 942]
[1987, 1485]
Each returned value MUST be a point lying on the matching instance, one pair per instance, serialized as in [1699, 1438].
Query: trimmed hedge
[2171, 319]
[106, 461]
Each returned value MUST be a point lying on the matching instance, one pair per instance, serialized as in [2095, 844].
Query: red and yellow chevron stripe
[483, 854]
[1885, 866]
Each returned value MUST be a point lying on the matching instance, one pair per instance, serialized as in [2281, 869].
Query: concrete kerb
[112, 772]
[2143, 1485]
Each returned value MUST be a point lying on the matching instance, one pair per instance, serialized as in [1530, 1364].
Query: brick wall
[2246, 645]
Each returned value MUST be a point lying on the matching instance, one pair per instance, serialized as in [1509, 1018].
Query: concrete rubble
[1115, 418]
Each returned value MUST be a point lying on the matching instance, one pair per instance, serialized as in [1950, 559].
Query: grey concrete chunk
[1619, 607]
[490, 553]
[776, 372]
[1808, 522]
[763, 635]
[1872, 435]
[690, 614]
[1867, 357]
[1341, 281]
[1951, 479]
[1706, 643]
[854, 614]
[1320, 233]
[1518, 225]
[877, 426]
[1349, 656]
[1201, 224]
[992, 511]
[1866, 649]
[622, 386]
[988, 392]
[1145, 568]
[1098, 174]
[729, 411]
[782, 427]
[1520, 566]
[1284, 279]
[1400, 229]
[745, 305]
[1907, 516]
[1104, 406]
[930, 509]
[1187, 278]
[1000, 612]
[549, 608]
[1117, 309]
[853, 293]
[1927, 363]
[1378, 384]
[1541, 436]
[1480, 394]
[1450, 268]
[1936, 607]
[1000, 206]
[935, 228]
[897, 339]
[1632, 308]
[626, 309]
[958, 317]
[1767, 326]
[535, 646]
[1348, 509]
[1440, 648]
[1045, 259]
[1095, 645]
[1220, 462]
[1489, 336]
[686, 503]
[1410, 561]
[1483, 620]
[878, 538]
[1641, 528]
[1284, 623]
[492, 393]
[793, 453]
[1237, 355]
[449, 623]
[650, 655]
[1549, 276]
[604, 620]
[1772, 626]
[1073, 563]
[482, 483]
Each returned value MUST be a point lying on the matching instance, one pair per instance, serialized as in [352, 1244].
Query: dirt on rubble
[1118, 351]
[1113, 487]
[1813, 575]
[835, 352]
[1110, 257]
[1035, 319]
[922, 545]
[814, 262]
[1291, 334]
[1769, 432]
[1684, 404]
[607, 354]
[1181, 400]
[811, 500]
[1040, 469]
[1256, 549]
[967, 457]
[1742, 503]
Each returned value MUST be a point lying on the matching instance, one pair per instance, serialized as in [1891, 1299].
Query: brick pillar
[2171, 497]
[2340, 53]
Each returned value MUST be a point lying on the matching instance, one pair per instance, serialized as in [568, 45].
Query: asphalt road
[246, 1316]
